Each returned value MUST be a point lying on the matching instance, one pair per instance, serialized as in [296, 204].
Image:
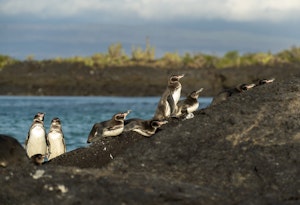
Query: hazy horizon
[49, 29]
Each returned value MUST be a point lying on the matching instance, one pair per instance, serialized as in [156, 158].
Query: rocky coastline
[245, 150]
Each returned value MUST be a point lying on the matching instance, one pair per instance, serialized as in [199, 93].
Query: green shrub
[6, 60]
[116, 56]
[230, 59]
[147, 55]
[115, 51]
[291, 55]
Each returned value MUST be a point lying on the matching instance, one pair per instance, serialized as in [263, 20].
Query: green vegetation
[6, 60]
[116, 57]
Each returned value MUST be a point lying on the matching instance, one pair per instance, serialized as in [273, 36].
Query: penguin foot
[189, 116]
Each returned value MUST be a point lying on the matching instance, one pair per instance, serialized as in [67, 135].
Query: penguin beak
[126, 113]
[270, 80]
[199, 91]
[180, 76]
[162, 122]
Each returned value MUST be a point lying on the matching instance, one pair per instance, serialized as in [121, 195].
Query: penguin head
[121, 116]
[195, 94]
[157, 123]
[55, 121]
[244, 87]
[37, 159]
[39, 116]
[175, 78]
[265, 81]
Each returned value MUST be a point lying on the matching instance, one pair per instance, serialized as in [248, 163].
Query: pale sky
[52, 28]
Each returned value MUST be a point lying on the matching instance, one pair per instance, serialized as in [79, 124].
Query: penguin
[167, 104]
[56, 139]
[37, 159]
[189, 105]
[265, 81]
[109, 128]
[12, 152]
[146, 128]
[224, 95]
[36, 141]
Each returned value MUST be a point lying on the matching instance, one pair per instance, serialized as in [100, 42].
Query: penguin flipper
[64, 143]
[171, 102]
[96, 131]
[26, 141]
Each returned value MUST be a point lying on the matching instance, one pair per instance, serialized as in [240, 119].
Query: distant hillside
[115, 73]
[75, 78]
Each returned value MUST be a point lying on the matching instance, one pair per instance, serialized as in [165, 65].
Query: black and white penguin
[109, 128]
[265, 81]
[225, 94]
[167, 104]
[189, 105]
[56, 139]
[11, 152]
[36, 141]
[146, 128]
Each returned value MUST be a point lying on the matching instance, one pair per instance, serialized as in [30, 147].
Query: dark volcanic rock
[54, 78]
[245, 150]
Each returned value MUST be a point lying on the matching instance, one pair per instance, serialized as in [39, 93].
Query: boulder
[245, 150]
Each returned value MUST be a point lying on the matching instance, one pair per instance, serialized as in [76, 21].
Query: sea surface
[77, 114]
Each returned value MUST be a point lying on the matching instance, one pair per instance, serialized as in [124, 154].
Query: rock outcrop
[245, 150]
[53, 78]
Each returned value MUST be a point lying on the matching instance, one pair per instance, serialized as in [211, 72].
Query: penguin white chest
[36, 143]
[193, 108]
[56, 144]
[176, 95]
[112, 132]
[167, 109]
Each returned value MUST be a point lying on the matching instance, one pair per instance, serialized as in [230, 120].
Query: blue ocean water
[77, 114]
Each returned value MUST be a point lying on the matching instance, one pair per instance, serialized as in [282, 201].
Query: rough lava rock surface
[245, 150]
[65, 79]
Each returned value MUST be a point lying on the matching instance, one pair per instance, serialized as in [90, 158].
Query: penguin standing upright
[146, 128]
[189, 105]
[167, 104]
[36, 141]
[56, 139]
[109, 128]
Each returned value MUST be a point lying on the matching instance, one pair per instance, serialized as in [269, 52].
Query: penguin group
[46, 145]
[225, 94]
[40, 145]
[169, 106]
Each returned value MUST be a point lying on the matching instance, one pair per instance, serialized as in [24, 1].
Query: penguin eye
[154, 124]
[262, 82]
[119, 117]
[174, 79]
